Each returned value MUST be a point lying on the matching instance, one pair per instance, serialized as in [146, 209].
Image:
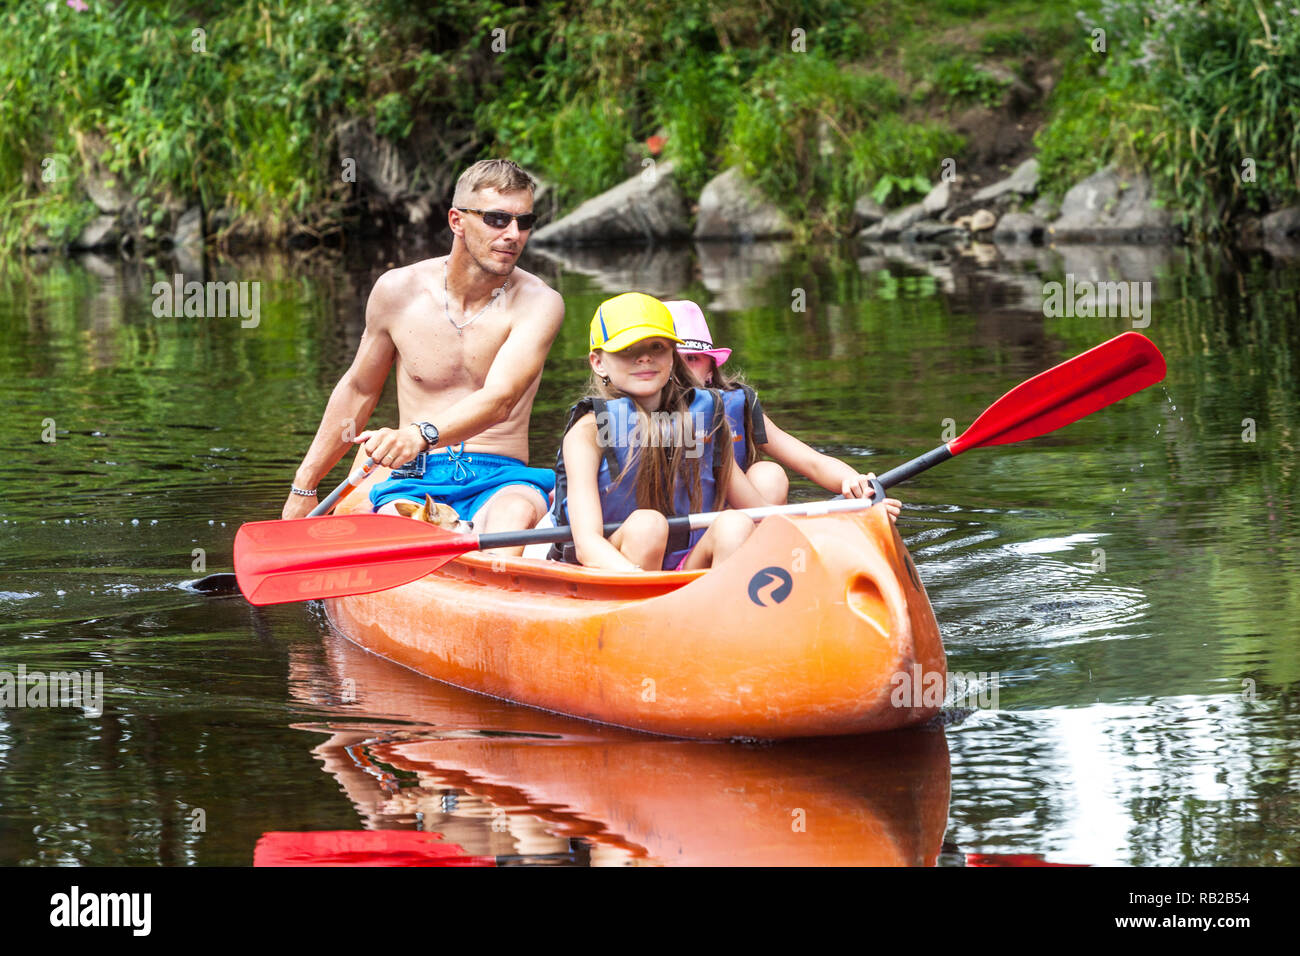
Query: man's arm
[352, 400]
[517, 364]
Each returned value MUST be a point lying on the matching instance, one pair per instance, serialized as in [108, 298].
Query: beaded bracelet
[303, 491]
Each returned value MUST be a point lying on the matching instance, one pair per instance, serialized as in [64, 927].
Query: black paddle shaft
[914, 467]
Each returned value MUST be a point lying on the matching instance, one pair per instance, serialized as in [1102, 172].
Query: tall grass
[695, 105]
[1206, 96]
[225, 108]
[815, 137]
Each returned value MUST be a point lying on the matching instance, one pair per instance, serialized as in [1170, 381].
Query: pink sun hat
[694, 332]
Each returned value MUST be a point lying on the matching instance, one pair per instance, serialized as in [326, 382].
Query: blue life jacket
[618, 431]
[735, 400]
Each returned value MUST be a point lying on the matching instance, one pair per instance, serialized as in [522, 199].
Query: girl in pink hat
[752, 431]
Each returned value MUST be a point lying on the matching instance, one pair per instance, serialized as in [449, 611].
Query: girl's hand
[392, 447]
[859, 486]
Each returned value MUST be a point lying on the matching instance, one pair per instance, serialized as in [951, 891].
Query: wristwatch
[429, 433]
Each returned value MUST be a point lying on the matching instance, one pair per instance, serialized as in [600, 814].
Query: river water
[1129, 585]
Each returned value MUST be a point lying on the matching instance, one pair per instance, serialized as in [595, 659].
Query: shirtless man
[469, 333]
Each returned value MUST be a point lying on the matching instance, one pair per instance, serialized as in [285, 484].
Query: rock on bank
[647, 207]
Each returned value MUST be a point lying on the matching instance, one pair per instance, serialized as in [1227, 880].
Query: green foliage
[887, 184]
[964, 8]
[393, 116]
[240, 115]
[230, 113]
[907, 154]
[646, 67]
[694, 106]
[798, 129]
[1189, 92]
[1077, 140]
[586, 146]
[1005, 42]
[814, 136]
[962, 81]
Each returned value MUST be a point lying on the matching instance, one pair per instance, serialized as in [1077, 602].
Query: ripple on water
[1012, 593]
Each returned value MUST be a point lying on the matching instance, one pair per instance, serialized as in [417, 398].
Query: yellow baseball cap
[627, 319]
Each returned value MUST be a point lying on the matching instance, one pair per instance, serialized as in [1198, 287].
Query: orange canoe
[818, 626]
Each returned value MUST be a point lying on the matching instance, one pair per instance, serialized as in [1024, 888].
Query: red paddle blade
[1053, 399]
[310, 558]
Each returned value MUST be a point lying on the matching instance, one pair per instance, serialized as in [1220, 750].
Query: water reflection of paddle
[498, 780]
[361, 848]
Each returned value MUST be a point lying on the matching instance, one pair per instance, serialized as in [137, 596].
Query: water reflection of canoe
[804, 632]
[498, 780]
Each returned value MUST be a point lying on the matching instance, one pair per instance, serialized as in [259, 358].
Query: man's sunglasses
[499, 220]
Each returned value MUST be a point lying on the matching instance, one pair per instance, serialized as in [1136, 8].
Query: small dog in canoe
[434, 512]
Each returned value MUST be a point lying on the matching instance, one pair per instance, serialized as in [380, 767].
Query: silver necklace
[446, 298]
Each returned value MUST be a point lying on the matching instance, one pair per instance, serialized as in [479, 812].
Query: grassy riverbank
[235, 106]
[1205, 96]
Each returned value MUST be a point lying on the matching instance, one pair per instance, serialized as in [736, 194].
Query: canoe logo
[776, 581]
[331, 529]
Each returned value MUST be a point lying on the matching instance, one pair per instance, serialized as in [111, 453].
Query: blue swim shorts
[463, 481]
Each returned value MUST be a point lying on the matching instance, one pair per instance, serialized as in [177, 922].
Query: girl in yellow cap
[646, 443]
[752, 431]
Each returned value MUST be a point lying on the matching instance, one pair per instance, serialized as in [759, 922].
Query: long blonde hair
[665, 463]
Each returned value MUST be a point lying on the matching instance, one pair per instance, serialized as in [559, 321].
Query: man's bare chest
[433, 354]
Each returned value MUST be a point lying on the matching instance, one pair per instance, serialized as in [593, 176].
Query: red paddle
[223, 583]
[310, 558]
[1053, 399]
